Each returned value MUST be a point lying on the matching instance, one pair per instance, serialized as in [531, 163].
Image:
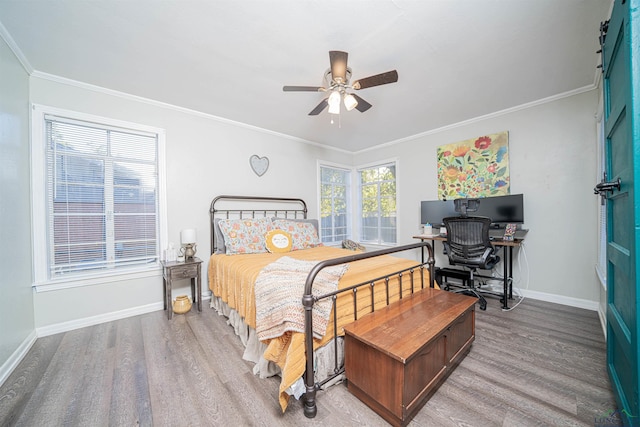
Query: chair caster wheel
[447, 288]
[483, 306]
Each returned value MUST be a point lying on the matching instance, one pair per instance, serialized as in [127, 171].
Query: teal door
[622, 152]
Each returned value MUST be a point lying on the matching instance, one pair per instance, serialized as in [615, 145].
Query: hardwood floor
[540, 364]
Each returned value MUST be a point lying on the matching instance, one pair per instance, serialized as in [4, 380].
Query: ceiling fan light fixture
[337, 80]
[334, 103]
[350, 102]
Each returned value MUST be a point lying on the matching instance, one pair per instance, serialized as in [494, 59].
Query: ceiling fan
[337, 84]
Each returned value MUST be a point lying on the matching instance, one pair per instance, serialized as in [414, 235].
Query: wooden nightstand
[190, 269]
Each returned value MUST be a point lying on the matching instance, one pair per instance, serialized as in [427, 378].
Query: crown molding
[15, 49]
[495, 114]
[128, 96]
[124, 95]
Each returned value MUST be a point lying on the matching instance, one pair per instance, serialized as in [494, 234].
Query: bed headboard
[231, 207]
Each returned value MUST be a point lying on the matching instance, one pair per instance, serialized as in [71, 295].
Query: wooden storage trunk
[396, 358]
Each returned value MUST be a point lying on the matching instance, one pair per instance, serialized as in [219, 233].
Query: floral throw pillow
[304, 234]
[245, 236]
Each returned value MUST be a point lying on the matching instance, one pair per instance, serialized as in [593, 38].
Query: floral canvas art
[477, 167]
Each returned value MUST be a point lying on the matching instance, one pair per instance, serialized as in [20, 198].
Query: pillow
[245, 236]
[313, 222]
[278, 241]
[219, 236]
[304, 233]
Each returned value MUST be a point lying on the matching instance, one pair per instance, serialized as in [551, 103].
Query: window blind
[102, 196]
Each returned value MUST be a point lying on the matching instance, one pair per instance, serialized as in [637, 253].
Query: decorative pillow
[304, 234]
[245, 236]
[278, 241]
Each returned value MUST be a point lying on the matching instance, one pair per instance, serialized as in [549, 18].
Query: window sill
[376, 246]
[90, 280]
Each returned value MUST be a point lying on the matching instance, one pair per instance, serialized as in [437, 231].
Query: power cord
[521, 253]
[496, 275]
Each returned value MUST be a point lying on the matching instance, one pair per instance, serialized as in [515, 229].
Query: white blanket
[278, 292]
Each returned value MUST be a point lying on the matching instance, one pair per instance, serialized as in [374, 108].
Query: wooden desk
[507, 262]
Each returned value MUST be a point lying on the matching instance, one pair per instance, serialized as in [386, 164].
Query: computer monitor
[501, 209]
[432, 211]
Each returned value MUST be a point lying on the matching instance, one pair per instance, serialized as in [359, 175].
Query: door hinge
[604, 26]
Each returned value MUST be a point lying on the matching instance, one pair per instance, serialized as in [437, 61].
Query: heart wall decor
[259, 164]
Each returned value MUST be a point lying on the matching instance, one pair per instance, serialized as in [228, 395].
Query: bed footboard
[308, 301]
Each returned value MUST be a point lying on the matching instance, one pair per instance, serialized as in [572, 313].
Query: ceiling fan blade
[303, 88]
[323, 104]
[377, 80]
[338, 60]
[362, 104]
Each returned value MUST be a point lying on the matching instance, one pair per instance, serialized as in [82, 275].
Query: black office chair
[468, 245]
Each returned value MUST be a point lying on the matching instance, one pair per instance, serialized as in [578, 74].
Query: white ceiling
[456, 60]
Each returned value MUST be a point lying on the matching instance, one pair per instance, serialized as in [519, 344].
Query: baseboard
[96, 320]
[102, 318]
[573, 302]
[603, 320]
[7, 367]
[559, 299]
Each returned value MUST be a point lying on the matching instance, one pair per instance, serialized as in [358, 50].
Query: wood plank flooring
[540, 364]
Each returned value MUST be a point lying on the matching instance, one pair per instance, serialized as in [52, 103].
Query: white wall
[552, 160]
[552, 150]
[16, 313]
[206, 157]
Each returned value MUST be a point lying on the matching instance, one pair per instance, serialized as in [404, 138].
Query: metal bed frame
[297, 209]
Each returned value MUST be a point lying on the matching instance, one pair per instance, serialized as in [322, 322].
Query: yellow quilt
[231, 277]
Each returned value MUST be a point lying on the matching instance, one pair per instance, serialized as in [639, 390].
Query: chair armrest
[489, 257]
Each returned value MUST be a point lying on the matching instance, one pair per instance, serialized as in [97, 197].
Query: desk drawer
[186, 272]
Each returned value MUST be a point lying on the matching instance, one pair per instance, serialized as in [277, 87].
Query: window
[335, 190]
[96, 201]
[377, 185]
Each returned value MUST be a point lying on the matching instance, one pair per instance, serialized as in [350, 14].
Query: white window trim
[356, 189]
[356, 201]
[321, 164]
[38, 203]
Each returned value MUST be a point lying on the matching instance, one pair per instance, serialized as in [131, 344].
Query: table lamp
[188, 241]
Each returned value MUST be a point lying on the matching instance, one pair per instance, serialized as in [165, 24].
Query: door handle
[605, 187]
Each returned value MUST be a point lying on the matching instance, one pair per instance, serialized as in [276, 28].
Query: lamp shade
[188, 235]
[350, 102]
[334, 103]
